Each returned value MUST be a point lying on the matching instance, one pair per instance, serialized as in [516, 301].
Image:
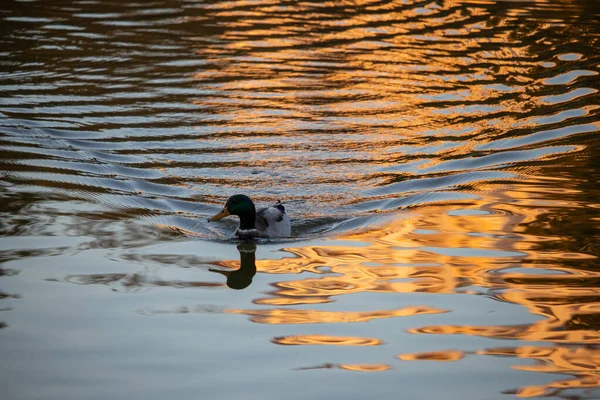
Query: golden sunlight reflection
[350, 367]
[460, 249]
[296, 340]
[443, 355]
[533, 332]
[583, 363]
[365, 367]
[417, 255]
[438, 160]
[293, 316]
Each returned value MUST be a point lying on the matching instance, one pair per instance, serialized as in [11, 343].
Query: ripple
[303, 340]
[568, 97]
[438, 153]
[568, 77]
[444, 356]
[533, 333]
[540, 137]
[285, 316]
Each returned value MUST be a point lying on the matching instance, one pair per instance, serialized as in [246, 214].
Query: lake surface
[439, 160]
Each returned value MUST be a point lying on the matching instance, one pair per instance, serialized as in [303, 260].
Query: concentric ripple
[166, 111]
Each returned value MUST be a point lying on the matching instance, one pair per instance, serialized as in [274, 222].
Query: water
[439, 160]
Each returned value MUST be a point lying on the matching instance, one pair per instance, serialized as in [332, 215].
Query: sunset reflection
[351, 367]
[304, 340]
[291, 316]
[439, 161]
[448, 355]
[466, 251]
[582, 363]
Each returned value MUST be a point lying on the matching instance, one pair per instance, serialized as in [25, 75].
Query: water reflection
[238, 279]
[7, 272]
[241, 278]
[581, 362]
[295, 316]
[440, 157]
[477, 248]
[134, 281]
[328, 340]
[351, 367]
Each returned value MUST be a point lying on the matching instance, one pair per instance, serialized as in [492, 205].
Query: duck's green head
[241, 206]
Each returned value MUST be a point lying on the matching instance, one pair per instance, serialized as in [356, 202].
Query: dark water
[439, 160]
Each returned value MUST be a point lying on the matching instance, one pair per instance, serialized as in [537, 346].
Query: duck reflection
[7, 296]
[242, 277]
[236, 279]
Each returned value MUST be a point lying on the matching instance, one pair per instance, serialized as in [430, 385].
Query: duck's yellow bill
[224, 212]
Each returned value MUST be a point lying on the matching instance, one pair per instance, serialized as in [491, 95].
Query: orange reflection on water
[470, 92]
[365, 367]
[294, 316]
[275, 50]
[351, 367]
[470, 253]
[555, 387]
[291, 301]
[541, 331]
[296, 340]
[581, 362]
[443, 355]
[396, 260]
[557, 359]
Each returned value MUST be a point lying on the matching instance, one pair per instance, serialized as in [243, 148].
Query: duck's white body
[270, 222]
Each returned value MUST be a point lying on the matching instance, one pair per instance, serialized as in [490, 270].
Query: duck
[268, 222]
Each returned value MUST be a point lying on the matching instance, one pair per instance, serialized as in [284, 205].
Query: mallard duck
[267, 222]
